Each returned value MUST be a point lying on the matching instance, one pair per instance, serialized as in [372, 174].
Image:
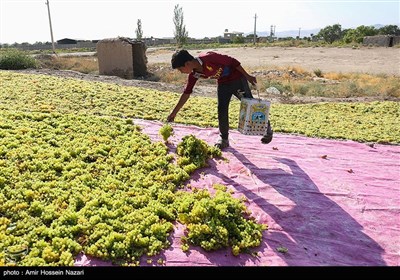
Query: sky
[28, 21]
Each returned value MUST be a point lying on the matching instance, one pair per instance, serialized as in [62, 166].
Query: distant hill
[295, 33]
[288, 33]
[377, 26]
[303, 33]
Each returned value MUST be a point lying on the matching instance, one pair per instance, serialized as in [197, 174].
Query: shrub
[278, 85]
[238, 40]
[318, 73]
[14, 59]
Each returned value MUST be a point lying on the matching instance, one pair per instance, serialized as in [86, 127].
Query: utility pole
[51, 29]
[272, 33]
[299, 32]
[255, 35]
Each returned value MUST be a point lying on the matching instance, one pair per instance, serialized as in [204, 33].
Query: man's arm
[182, 100]
[250, 78]
[184, 97]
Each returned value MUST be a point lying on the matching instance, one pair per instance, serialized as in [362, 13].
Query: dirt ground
[341, 60]
[345, 60]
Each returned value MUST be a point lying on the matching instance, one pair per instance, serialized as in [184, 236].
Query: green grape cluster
[218, 221]
[194, 153]
[166, 131]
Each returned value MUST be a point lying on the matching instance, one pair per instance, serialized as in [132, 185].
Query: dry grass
[162, 72]
[83, 64]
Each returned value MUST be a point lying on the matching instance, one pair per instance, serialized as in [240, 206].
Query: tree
[180, 33]
[350, 36]
[389, 30]
[357, 35]
[139, 31]
[238, 40]
[331, 34]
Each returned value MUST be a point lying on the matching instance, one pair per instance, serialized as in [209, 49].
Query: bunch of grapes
[194, 153]
[217, 221]
[166, 131]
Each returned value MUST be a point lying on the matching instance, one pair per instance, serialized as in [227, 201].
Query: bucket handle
[258, 92]
[241, 93]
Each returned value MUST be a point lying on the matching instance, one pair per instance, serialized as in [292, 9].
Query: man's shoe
[267, 137]
[222, 143]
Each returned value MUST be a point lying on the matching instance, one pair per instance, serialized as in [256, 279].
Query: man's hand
[252, 80]
[171, 117]
[181, 102]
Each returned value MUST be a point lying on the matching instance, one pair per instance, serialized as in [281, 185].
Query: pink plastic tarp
[328, 202]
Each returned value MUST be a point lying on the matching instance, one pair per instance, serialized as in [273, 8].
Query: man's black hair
[179, 58]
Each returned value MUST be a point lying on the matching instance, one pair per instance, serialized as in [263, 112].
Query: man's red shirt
[215, 66]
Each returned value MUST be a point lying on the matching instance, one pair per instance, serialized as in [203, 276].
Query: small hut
[122, 57]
